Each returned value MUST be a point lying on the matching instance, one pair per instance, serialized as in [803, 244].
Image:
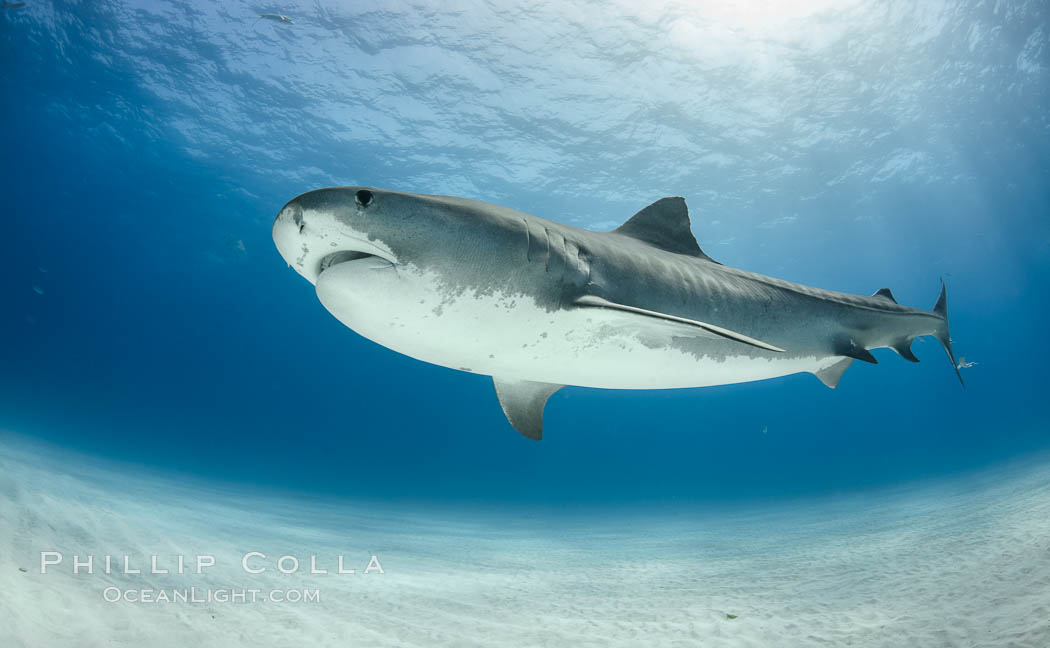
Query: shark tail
[941, 309]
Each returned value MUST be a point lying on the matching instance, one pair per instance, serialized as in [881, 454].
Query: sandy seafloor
[962, 561]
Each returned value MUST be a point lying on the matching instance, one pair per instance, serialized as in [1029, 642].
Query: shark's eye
[364, 197]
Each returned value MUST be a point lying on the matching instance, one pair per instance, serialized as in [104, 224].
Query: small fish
[13, 5]
[276, 17]
[963, 364]
[38, 290]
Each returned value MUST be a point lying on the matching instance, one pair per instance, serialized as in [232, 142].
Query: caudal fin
[941, 308]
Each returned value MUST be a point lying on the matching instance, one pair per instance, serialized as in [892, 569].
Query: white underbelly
[511, 337]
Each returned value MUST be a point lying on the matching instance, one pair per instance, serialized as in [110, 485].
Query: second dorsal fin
[885, 294]
[664, 224]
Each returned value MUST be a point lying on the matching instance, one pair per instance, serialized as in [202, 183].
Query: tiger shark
[538, 305]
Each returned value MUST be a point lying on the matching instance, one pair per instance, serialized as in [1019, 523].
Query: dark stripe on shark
[598, 302]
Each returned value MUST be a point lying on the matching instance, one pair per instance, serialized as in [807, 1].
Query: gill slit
[547, 261]
[528, 241]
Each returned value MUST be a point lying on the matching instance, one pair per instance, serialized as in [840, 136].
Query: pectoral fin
[693, 326]
[523, 402]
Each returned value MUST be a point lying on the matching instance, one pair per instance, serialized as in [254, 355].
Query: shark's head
[375, 256]
[416, 272]
[465, 242]
[327, 227]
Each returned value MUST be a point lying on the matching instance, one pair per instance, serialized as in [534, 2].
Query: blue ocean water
[852, 146]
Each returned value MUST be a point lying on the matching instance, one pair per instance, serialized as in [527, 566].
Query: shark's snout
[293, 247]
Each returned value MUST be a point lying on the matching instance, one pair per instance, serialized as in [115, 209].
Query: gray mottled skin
[477, 249]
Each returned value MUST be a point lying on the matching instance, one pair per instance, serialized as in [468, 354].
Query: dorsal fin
[885, 294]
[664, 224]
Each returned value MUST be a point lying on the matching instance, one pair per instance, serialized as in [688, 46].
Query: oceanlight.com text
[197, 595]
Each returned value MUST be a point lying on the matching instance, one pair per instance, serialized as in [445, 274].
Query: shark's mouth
[341, 257]
[348, 256]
